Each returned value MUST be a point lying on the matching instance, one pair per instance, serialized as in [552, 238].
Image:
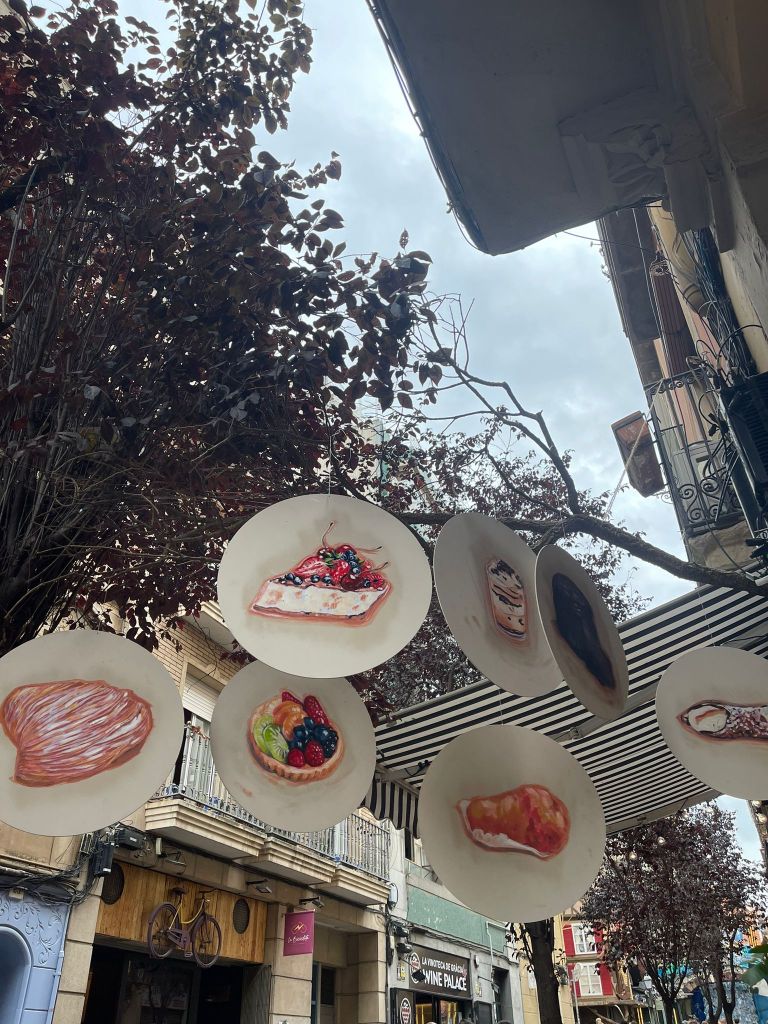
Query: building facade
[651, 119]
[447, 963]
[599, 992]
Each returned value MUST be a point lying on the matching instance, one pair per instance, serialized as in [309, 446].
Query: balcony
[698, 467]
[195, 808]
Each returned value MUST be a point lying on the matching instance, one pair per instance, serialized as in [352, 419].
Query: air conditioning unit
[745, 409]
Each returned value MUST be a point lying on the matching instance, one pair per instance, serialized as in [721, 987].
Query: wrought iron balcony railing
[356, 841]
[698, 467]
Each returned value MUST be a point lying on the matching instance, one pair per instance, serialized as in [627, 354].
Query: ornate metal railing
[358, 842]
[697, 466]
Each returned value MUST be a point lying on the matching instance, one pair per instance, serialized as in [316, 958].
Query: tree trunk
[713, 1007]
[669, 1008]
[541, 935]
[727, 1004]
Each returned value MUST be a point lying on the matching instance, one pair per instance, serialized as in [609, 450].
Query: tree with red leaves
[179, 334]
[673, 895]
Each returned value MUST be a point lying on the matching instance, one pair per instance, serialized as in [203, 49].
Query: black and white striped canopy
[636, 775]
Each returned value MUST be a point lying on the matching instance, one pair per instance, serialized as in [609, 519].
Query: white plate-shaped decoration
[298, 753]
[511, 823]
[581, 633]
[90, 727]
[324, 586]
[485, 576]
[712, 709]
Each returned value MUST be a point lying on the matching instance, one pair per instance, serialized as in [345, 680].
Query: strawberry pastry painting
[527, 819]
[336, 583]
[511, 823]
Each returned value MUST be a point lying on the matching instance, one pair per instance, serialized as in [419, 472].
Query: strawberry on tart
[294, 739]
[333, 584]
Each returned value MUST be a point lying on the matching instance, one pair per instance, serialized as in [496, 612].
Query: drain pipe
[490, 947]
[57, 972]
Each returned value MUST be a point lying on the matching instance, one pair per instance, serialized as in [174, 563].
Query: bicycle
[199, 937]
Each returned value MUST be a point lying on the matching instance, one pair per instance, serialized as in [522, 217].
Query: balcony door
[196, 774]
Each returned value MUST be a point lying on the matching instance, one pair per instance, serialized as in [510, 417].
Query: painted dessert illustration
[332, 584]
[713, 720]
[575, 620]
[73, 729]
[295, 739]
[507, 599]
[528, 819]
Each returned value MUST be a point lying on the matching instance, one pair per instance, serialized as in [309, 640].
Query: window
[409, 844]
[588, 977]
[583, 939]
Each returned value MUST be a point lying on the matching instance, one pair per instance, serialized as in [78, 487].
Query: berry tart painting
[294, 739]
[298, 753]
[333, 584]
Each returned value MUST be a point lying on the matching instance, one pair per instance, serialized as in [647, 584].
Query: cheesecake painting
[336, 583]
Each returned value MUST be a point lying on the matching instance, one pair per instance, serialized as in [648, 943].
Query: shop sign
[406, 1012]
[443, 973]
[299, 933]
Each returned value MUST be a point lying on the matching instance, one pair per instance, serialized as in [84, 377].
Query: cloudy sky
[544, 319]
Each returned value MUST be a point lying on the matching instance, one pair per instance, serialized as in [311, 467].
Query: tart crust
[287, 771]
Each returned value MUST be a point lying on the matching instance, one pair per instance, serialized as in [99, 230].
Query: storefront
[439, 988]
[131, 988]
[127, 986]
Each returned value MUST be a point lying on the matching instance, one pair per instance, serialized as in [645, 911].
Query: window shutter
[568, 940]
[198, 697]
[606, 980]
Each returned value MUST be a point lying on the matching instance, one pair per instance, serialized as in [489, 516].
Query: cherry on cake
[334, 584]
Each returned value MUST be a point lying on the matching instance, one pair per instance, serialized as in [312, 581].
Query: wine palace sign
[444, 973]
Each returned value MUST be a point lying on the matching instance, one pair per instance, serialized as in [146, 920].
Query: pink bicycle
[199, 937]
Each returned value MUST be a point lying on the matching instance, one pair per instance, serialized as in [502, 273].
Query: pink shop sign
[299, 934]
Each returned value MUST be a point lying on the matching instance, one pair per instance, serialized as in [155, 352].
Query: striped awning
[636, 775]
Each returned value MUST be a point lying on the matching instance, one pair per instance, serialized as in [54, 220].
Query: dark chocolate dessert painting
[575, 620]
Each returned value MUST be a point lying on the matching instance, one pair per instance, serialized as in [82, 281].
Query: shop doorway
[17, 966]
[434, 1010]
[131, 988]
[323, 994]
